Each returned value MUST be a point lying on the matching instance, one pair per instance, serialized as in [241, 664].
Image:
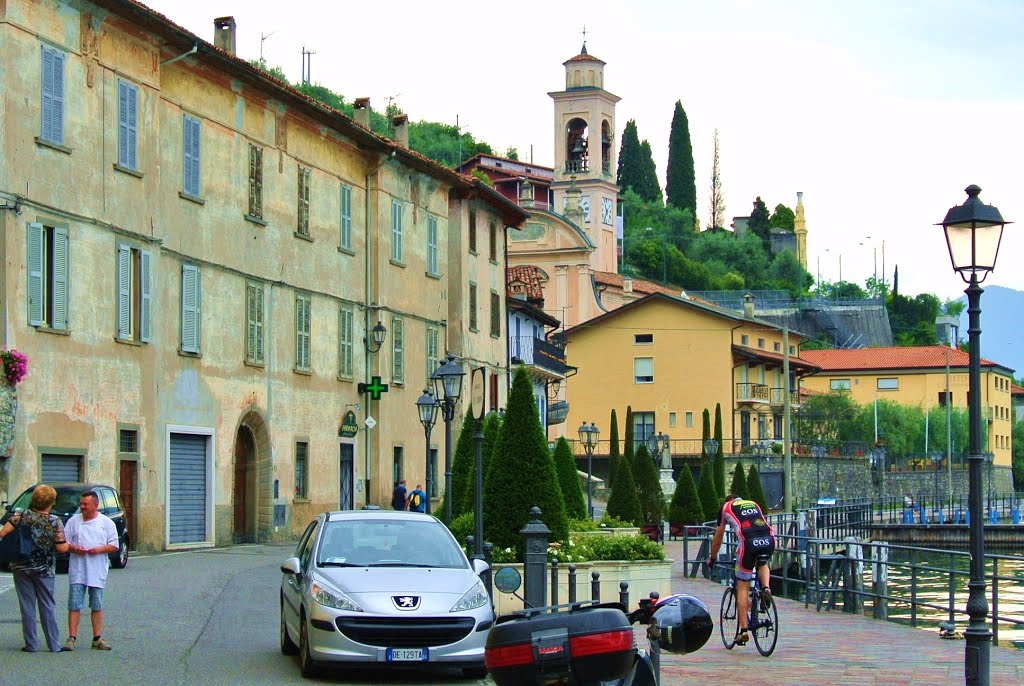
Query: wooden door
[127, 486]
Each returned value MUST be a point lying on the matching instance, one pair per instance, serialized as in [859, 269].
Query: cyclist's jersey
[746, 518]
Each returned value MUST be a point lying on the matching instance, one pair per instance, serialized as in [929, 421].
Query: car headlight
[474, 598]
[330, 597]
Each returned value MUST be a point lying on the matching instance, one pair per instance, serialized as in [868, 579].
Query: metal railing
[746, 391]
[531, 350]
[778, 396]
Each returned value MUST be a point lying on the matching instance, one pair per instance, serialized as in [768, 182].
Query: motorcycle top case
[589, 644]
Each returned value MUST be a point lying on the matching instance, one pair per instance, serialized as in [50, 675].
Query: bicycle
[762, 621]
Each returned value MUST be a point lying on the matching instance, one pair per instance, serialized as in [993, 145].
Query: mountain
[1002, 340]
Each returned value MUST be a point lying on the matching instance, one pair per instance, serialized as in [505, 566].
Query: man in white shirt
[91, 538]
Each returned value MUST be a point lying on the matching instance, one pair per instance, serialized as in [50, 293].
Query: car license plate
[406, 655]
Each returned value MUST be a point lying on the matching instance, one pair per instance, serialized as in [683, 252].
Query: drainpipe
[194, 50]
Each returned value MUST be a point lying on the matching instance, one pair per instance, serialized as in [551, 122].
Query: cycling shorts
[750, 548]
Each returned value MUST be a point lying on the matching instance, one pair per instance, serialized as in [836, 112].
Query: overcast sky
[880, 111]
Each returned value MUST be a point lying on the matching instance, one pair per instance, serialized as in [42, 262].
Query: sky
[881, 111]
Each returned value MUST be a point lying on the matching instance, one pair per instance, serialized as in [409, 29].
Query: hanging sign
[478, 383]
[349, 425]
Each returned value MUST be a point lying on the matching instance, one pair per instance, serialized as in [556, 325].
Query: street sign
[479, 382]
[370, 422]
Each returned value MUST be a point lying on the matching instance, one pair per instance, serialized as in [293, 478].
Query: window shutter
[124, 292]
[397, 352]
[36, 232]
[190, 308]
[196, 144]
[346, 217]
[307, 306]
[46, 93]
[259, 323]
[396, 231]
[122, 123]
[432, 265]
[190, 155]
[57, 98]
[250, 322]
[60, 279]
[133, 101]
[302, 329]
[145, 295]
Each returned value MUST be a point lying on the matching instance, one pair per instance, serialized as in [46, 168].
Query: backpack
[414, 501]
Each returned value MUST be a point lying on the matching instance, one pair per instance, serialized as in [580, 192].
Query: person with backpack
[418, 500]
[398, 496]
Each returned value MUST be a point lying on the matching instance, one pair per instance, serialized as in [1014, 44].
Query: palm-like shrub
[569, 481]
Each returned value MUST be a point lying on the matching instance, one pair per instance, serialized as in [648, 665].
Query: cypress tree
[652, 498]
[613, 448]
[680, 178]
[685, 507]
[463, 464]
[709, 502]
[521, 474]
[738, 487]
[720, 455]
[624, 501]
[630, 173]
[492, 428]
[759, 223]
[754, 490]
[629, 449]
[650, 186]
[569, 481]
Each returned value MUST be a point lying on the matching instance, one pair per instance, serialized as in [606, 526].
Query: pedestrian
[399, 501]
[92, 537]
[418, 499]
[34, 578]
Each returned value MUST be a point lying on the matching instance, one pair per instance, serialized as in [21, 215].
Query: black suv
[66, 505]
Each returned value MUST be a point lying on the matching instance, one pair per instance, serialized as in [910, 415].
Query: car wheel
[307, 665]
[288, 646]
[474, 672]
[119, 560]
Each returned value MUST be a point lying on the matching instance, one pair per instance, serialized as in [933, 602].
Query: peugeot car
[384, 588]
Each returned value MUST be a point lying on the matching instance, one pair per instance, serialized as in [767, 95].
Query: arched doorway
[252, 515]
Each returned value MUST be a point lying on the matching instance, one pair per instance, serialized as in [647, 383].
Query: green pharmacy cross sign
[375, 388]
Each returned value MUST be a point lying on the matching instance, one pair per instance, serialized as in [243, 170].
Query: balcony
[778, 397]
[538, 355]
[579, 166]
[752, 393]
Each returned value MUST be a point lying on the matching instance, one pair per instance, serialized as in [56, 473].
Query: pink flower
[15, 365]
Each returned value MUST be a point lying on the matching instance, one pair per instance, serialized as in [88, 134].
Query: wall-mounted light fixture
[378, 333]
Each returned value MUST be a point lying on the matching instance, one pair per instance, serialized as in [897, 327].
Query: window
[472, 307]
[432, 245]
[777, 427]
[839, 385]
[472, 231]
[127, 121]
[760, 343]
[396, 231]
[887, 384]
[48, 276]
[432, 352]
[494, 242]
[346, 341]
[190, 155]
[303, 202]
[671, 420]
[792, 350]
[128, 441]
[396, 464]
[255, 182]
[643, 428]
[397, 351]
[689, 420]
[51, 125]
[777, 347]
[944, 398]
[301, 469]
[254, 322]
[643, 338]
[346, 217]
[134, 294]
[495, 314]
[743, 339]
[190, 299]
[643, 370]
[303, 305]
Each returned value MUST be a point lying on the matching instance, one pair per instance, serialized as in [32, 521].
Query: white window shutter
[36, 233]
[189, 308]
[146, 295]
[124, 292]
[60, 279]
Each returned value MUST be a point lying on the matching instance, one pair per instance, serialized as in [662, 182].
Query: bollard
[488, 576]
[880, 581]
[535, 560]
[595, 586]
[855, 555]
[624, 594]
[554, 582]
[572, 583]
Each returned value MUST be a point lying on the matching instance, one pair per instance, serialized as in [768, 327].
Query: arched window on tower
[606, 147]
[576, 149]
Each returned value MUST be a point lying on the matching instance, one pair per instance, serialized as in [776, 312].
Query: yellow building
[670, 358]
[195, 259]
[918, 376]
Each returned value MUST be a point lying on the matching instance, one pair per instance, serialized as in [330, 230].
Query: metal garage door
[187, 507]
[61, 468]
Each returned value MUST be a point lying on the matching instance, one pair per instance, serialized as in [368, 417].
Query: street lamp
[817, 452]
[973, 233]
[379, 333]
[427, 407]
[936, 461]
[989, 460]
[658, 444]
[588, 439]
[447, 380]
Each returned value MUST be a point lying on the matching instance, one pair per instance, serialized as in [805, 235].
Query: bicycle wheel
[727, 618]
[766, 619]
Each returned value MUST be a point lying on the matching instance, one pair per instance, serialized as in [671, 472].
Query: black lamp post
[428, 407]
[447, 387]
[989, 461]
[973, 233]
[936, 462]
[711, 450]
[588, 439]
[818, 452]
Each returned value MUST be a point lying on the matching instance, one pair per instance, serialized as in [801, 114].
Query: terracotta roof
[1016, 390]
[798, 363]
[583, 57]
[530, 276]
[639, 285]
[896, 357]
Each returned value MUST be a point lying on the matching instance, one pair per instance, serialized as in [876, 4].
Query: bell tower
[585, 155]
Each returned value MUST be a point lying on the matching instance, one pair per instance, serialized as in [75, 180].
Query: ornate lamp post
[588, 439]
[973, 233]
[818, 452]
[428, 407]
[447, 387]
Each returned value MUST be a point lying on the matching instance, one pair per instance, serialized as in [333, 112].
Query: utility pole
[787, 446]
[263, 37]
[306, 65]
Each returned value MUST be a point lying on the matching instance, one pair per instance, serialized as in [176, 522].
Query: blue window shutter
[60, 279]
[57, 95]
[196, 140]
[124, 292]
[133, 101]
[36, 233]
[122, 123]
[186, 155]
[190, 308]
[396, 231]
[346, 217]
[146, 295]
[46, 94]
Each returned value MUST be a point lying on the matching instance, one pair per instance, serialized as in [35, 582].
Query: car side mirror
[480, 566]
[291, 566]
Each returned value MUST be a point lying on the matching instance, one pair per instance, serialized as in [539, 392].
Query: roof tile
[895, 357]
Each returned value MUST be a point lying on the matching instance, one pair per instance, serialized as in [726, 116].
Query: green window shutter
[190, 300]
[346, 321]
[397, 351]
[346, 217]
[260, 328]
[60, 279]
[36, 235]
[254, 323]
[124, 292]
[431, 355]
[302, 331]
[396, 231]
[308, 305]
[145, 295]
[432, 266]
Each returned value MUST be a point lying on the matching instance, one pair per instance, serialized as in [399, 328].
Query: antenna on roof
[306, 65]
[263, 37]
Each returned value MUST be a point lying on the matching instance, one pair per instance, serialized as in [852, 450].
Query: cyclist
[756, 537]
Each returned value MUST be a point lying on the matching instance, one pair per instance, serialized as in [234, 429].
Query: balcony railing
[533, 351]
[577, 166]
[751, 392]
[779, 397]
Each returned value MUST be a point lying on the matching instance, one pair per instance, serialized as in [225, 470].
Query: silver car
[385, 588]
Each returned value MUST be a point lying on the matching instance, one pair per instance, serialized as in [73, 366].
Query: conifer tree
[463, 465]
[651, 187]
[717, 203]
[709, 502]
[624, 501]
[492, 428]
[613, 448]
[521, 474]
[685, 507]
[720, 455]
[629, 449]
[759, 222]
[754, 490]
[652, 498]
[680, 179]
[738, 487]
[569, 481]
[630, 173]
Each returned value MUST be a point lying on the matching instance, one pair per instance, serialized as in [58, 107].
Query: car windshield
[66, 503]
[388, 543]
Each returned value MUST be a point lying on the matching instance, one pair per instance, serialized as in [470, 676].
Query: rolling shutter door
[187, 506]
[61, 469]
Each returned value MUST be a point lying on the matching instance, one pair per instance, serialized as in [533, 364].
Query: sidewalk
[827, 648]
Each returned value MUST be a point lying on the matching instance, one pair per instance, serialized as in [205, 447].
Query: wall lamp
[379, 333]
